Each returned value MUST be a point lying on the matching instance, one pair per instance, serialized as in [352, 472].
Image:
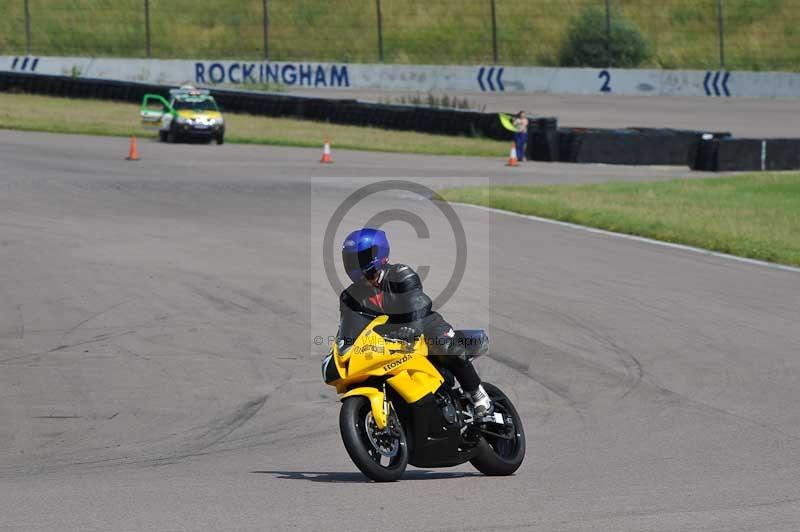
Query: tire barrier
[630, 146]
[543, 140]
[339, 111]
[732, 154]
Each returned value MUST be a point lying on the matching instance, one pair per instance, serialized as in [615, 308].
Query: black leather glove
[407, 334]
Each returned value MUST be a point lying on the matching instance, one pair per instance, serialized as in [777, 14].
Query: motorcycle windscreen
[352, 325]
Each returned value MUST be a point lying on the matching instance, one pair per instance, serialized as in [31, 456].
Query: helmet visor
[362, 261]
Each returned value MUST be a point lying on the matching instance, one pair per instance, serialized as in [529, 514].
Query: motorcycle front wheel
[501, 457]
[382, 455]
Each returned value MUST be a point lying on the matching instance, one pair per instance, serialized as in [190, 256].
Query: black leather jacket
[399, 295]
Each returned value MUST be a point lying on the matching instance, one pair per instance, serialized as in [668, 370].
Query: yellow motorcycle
[399, 408]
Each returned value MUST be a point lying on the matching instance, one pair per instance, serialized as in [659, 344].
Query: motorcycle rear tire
[357, 444]
[491, 461]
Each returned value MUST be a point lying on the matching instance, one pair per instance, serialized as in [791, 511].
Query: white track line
[638, 238]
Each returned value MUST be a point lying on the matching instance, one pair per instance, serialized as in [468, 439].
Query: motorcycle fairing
[433, 441]
[409, 372]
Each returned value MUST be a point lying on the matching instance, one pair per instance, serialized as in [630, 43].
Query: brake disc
[383, 441]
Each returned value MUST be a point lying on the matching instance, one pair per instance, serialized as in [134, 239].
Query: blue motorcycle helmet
[364, 253]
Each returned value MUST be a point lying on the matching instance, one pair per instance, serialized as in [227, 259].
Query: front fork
[385, 402]
[381, 406]
[392, 419]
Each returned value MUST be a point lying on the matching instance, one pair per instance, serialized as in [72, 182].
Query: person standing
[521, 135]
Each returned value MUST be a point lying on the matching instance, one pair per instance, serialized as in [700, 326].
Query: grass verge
[759, 34]
[752, 215]
[97, 117]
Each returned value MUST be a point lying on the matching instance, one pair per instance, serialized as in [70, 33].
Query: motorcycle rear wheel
[501, 457]
[354, 423]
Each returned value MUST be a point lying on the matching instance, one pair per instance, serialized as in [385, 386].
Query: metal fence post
[494, 32]
[380, 30]
[148, 49]
[721, 28]
[265, 28]
[27, 29]
[608, 32]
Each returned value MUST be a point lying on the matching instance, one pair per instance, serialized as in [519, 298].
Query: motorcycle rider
[396, 290]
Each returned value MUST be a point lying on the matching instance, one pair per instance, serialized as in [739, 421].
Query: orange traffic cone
[512, 157]
[133, 154]
[326, 153]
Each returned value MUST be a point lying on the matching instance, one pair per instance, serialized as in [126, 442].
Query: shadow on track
[333, 476]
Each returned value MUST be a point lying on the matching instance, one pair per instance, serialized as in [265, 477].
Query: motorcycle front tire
[353, 429]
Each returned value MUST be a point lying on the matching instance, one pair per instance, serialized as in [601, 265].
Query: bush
[584, 44]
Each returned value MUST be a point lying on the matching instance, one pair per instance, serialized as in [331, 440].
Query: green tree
[585, 42]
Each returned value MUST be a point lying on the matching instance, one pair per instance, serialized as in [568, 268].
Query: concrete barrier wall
[421, 78]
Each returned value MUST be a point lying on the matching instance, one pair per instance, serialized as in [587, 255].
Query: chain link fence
[702, 34]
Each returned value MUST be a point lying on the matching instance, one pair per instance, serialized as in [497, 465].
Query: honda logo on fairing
[392, 365]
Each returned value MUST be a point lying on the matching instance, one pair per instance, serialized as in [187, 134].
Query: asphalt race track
[158, 369]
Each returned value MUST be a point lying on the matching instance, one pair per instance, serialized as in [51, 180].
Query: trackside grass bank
[753, 215]
[759, 34]
[95, 117]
